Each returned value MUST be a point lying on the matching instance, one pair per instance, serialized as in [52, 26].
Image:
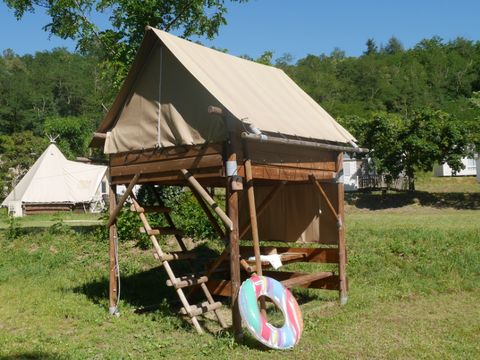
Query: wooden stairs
[179, 283]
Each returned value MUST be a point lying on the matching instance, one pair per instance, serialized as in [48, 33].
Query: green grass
[413, 273]
[46, 220]
[465, 184]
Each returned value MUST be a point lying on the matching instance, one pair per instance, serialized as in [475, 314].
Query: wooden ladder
[181, 282]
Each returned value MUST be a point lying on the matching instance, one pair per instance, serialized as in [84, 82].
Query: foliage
[74, 134]
[401, 144]
[186, 212]
[128, 225]
[13, 231]
[118, 42]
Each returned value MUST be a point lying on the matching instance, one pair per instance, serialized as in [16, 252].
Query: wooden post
[112, 244]
[233, 235]
[342, 256]
[253, 220]
[231, 205]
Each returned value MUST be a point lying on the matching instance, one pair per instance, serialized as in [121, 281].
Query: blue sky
[298, 27]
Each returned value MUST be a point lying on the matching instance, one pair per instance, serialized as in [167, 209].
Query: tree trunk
[411, 183]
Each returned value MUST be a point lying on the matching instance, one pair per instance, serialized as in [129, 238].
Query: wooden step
[202, 308]
[305, 279]
[180, 255]
[187, 280]
[151, 209]
[162, 231]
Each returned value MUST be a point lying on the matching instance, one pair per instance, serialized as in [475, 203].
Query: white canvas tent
[164, 99]
[53, 182]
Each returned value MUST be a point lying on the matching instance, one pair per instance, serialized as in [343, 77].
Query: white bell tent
[54, 183]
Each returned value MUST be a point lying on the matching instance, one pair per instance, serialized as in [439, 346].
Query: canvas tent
[54, 183]
[188, 115]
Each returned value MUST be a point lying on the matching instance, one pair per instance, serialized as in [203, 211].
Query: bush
[14, 230]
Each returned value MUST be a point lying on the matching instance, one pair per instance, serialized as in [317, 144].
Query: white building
[470, 169]
[351, 172]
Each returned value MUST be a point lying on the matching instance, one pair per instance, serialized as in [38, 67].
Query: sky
[298, 27]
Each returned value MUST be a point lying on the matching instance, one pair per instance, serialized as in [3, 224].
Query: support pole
[232, 210]
[233, 234]
[253, 221]
[112, 238]
[342, 255]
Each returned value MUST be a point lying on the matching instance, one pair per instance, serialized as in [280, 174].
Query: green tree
[403, 145]
[74, 134]
[372, 48]
[394, 46]
[118, 43]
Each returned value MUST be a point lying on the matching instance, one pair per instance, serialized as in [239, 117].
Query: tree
[372, 48]
[394, 46]
[117, 44]
[266, 58]
[404, 145]
[74, 134]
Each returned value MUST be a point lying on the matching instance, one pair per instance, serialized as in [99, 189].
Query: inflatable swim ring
[277, 338]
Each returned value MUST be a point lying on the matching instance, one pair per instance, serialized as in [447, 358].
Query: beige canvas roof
[164, 99]
[54, 179]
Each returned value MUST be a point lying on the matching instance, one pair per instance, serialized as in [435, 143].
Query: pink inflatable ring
[277, 338]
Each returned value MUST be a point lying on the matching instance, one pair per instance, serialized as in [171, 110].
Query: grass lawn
[46, 220]
[414, 275]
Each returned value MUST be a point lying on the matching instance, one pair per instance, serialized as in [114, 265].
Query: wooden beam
[325, 197]
[342, 255]
[114, 213]
[270, 172]
[112, 253]
[206, 196]
[253, 216]
[211, 175]
[164, 154]
[206, 161]
[305, 280]
[263, 206]
[224, 287]
[233, 232]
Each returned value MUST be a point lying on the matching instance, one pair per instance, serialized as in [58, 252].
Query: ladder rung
[151, 209]
[175, 256]
[162, 231]
[202, 308]
[187, 280]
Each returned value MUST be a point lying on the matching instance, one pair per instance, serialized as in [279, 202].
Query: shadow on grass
[31, 355]
[377, 201]
[146, 290]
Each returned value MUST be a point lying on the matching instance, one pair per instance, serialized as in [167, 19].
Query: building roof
[54, 179]
[164, 99]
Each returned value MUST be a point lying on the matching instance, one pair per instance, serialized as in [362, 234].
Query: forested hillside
[412, 107]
